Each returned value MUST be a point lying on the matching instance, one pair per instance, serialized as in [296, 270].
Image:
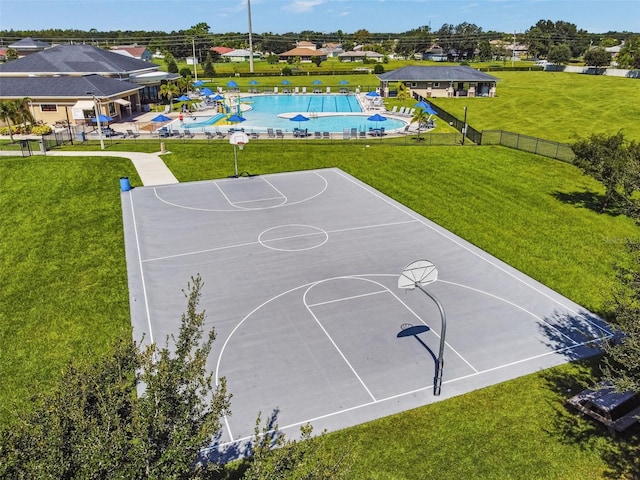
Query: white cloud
[301, 6]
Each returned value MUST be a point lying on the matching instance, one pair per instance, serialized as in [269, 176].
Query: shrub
[378, 68]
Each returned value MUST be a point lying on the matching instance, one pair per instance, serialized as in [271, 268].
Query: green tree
[15, 112]
[420, 117]
[362, 37]
[169, 90]
[559, 54]
[317, 60]
[629, 55]
[273, 457]
[403, 91]
[140, 412]
[613, 162]
[12, 54]
[209, 70]
[597, 57]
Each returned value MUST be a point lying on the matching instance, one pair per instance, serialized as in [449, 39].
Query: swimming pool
[326, 113]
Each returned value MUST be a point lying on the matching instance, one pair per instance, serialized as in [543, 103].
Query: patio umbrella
[217, 97]
[232, 84]
[316, 82]
[198, 83]
[426, 107]
[103, 119]
[377, 118]
[299, 118]
[235, 118]
[161, 118]
[183, 98]
[343, 82]
[206, 91]
[286, 82]
[253, 82]
[373, 94]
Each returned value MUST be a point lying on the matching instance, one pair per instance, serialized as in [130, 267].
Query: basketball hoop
[237, 139]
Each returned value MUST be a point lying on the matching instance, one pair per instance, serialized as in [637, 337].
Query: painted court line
[442, 233]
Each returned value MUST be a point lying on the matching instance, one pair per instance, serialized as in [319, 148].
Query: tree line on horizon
[468, 40]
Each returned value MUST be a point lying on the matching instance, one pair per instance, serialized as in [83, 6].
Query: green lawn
[555, 106]
[66, 293]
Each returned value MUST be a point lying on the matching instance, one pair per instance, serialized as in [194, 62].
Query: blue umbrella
[286, 82]
[299, 118]
[426, 107]
[373, 94]
[206, 91]
[253, 82]
[235, 118]
[183, 98]
[198, 83]
[232, 84]
[161, 118]
[343, 82]
[377, 118]
[316, 82]
[103, 119]
[217, 97]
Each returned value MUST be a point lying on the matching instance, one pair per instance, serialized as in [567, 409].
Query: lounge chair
[279, 133]
[270, 133]
[317, 135]
[410, 112]
[254, 135]
[354, 133]
[209, 136]
[346, 134]
[188, 134]
[131, 134]
[326, 136]
[219, 134]
[401, 111]
[362, 134]
[394, 109]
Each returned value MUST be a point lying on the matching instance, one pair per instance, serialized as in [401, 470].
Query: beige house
[440, 81]
[69, 83]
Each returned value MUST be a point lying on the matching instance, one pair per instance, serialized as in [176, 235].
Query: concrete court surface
[300, 276]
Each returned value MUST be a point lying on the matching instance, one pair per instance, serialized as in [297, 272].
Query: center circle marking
[293, 238]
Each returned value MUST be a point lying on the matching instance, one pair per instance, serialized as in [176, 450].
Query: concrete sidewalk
[150, 167]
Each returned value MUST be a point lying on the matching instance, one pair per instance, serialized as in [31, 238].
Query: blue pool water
[264, 111]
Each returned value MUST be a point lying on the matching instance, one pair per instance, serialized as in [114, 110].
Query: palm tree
[7, 114]
[23, 112]
[420, 117]
[169, 90]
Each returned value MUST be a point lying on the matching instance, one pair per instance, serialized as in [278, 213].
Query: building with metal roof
[440, 81]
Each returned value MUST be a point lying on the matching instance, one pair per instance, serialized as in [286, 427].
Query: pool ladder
[313, 114]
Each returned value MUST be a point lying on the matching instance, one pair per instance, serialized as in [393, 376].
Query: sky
[282, 16]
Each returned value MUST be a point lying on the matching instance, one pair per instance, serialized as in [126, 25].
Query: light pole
[418, 274]
[97, 111]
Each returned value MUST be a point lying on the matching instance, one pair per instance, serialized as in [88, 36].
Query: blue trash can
[125, 186]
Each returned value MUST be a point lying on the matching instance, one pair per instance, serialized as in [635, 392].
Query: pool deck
[139, 122]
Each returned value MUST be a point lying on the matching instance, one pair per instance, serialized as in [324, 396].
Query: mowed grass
[68, 286]
[64, 285]
[555, 106]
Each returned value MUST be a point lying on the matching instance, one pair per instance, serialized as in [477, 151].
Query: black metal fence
[539, 146]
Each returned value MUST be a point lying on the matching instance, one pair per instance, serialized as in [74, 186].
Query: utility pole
[513, 48]
[195, 65]
[250, 39]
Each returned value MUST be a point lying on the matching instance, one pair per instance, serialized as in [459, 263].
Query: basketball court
[301, 273]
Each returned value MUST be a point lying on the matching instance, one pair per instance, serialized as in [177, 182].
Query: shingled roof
[73, 60]
[436, 74]
[61, 87]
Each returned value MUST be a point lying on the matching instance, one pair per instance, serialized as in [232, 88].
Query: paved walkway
[151, 169]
